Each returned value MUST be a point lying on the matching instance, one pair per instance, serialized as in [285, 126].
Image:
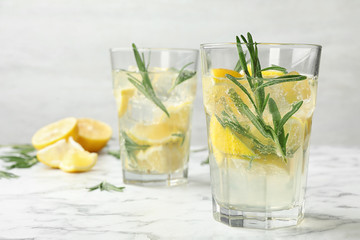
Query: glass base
[259, 220]
[143, 179]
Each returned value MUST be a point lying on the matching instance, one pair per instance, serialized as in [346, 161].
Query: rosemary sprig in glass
[132, 147]
[183, 76]
[145, 86]
[258, 99]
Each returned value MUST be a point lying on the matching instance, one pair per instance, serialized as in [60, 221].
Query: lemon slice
[216, 91]
[54, 132]
[225, 141]
[93, 135]
[122, 97]
[68, 155]
[271, 73]
[164, 130]
[219, 74]
[267, 73]
[179, 116]
[165, 158]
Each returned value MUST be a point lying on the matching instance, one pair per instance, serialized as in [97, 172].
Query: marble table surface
[45, 203]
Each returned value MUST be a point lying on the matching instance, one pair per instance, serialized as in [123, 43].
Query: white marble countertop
[49, 204]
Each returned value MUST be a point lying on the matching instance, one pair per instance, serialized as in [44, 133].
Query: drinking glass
[154, 91]
[259, 113]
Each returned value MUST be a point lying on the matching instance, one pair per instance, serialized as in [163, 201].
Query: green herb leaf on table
[8, 175]
[205, 162]
[21, 156]
[105, 186]
[20, 148]
[114, 153]
[24, 161]
[183, 75]
[145, 86]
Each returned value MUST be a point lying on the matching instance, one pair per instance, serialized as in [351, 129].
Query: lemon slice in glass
[122, 97]
[225, 141]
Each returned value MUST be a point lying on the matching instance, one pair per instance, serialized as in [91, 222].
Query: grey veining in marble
[50, 204]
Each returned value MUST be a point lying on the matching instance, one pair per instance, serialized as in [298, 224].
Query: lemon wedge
[69, 156]
[122, 97]
[267, 73]
[219, 74]
[54, 132]
[93, 135]
[225, 141]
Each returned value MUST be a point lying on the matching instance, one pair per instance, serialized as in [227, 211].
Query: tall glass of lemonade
[259, 101]
[154, 91]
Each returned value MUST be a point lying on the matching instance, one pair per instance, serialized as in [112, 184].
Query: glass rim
[121, 49]
[224, 44]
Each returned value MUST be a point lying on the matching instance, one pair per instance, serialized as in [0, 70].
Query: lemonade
[154, 132]
[254, 160]
[259, 121]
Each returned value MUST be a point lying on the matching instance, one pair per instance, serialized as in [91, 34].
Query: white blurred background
[54, 58]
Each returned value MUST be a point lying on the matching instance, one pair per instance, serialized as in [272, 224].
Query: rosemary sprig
[183, 76]
[21, 156]
[114, 153]
[132, 147]
[180, 135]
[20, 161]
[258, 98]
[205, 162]
[281, 79]
[4, 174]
[237, 128]
[105, 186]
[145, 86]
[276, 68]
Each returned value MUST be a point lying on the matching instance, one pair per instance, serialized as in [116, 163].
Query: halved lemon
[69, 156]
[54, 132]
[93, 135]
[122, 97]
